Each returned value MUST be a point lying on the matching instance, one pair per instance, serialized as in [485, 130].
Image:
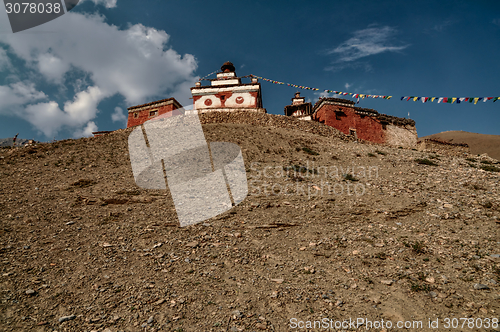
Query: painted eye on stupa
[239, 100]
[208, 102]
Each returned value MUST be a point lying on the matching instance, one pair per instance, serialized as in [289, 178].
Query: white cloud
[443, 25]
[4, 59]
[337, 66]
[16, 94]
[118, 115]
[105, 3]
[347, 85]
[49, 118]
[135, 62]
[366, 42]
[52, 67]
[87, 131]
[324, 94]
[84, 106]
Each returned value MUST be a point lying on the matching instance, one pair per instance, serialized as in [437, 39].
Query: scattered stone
[278, 281]
[159, 302]
[480, 286]
[192, 244]
[66, 318]
[237, 314]
[386, 282]
[430, 280]
[261, 326]
[30, 292]
[151, 319]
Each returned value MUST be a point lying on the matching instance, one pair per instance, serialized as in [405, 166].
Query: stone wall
[404, 136]
[444, 147]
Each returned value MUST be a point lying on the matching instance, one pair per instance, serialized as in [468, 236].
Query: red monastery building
[227, 93]
[139, 114]
[364, 123]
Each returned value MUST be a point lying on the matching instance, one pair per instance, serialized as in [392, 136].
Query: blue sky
[80, 72]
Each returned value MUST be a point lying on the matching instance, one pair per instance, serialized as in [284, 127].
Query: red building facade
[365, 124]
[139, 114]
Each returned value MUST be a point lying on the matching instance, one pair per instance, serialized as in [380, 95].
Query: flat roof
[157, 102]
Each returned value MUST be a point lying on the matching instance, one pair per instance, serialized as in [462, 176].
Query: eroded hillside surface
[331, 228]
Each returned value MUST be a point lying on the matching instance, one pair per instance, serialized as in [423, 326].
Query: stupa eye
[239, 100]
[208, 102]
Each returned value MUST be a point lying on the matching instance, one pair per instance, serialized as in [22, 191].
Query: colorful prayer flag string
[354, 95]
[214, 72]
[448, 100]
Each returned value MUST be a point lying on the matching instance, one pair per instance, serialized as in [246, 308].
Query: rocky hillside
[332, 229]
[5, 142]
[478, 143]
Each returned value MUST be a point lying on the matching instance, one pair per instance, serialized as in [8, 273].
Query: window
[339, 114]
[153, 113]
[352, 132]
[136, 115]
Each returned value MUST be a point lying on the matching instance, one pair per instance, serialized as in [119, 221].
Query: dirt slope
[84, 249]
[478, 143]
